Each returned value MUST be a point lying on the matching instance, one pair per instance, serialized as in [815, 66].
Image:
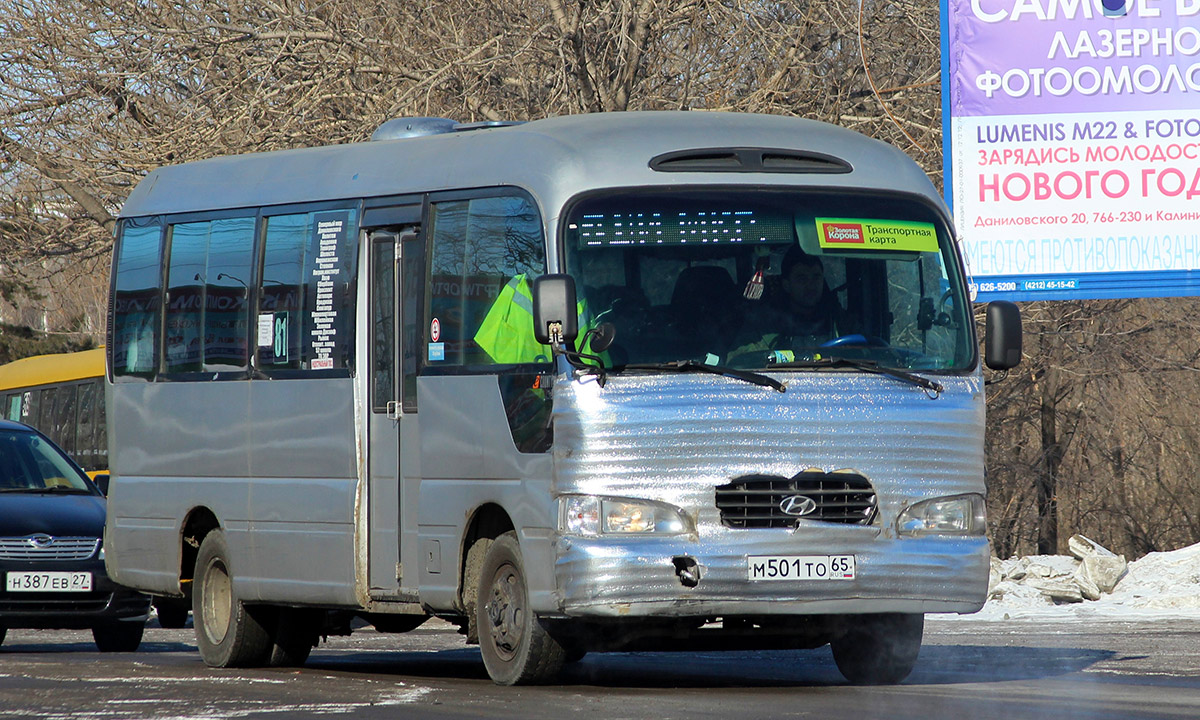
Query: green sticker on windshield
[853, 234]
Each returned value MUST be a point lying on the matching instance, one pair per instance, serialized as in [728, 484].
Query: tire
[296, 632]
[878, 649]
[118, 636]
[516, 648]
[471, 574]
[228, 633]
[172, 613]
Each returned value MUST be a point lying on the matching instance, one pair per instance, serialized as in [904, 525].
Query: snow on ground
[1160, 585]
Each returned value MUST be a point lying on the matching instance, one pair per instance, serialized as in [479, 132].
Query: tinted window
[226, 307]
[478, 247]
[206, 321]
[91, 405]
[383, 320]
[306, 306]
[136, 300]
[185, 297]
[41, 412]
[64, 419]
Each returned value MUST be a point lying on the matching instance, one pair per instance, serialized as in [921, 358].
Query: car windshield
[755, 279]
[30, 463]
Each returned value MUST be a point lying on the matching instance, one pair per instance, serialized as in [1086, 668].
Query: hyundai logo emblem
[798, 505]
[40, 540]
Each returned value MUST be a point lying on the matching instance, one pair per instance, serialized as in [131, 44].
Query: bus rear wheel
[878, 649]
[118, 636]
[516, 648]
[172, 612]
[295, 634]
[227, 632]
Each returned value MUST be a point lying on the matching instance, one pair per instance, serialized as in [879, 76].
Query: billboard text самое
[1073, 145]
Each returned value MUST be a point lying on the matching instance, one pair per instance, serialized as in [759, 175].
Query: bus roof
[49, 369]
[573, 154]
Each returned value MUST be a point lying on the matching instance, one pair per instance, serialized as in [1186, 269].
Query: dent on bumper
[623, 577]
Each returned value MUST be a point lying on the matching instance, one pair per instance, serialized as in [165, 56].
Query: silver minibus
[646, 380]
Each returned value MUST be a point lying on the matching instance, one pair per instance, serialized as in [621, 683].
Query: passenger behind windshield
[797, 314]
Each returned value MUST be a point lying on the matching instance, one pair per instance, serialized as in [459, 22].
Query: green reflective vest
[506, 333]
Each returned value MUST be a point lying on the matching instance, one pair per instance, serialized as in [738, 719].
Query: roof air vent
[400, 128]
[742, 159]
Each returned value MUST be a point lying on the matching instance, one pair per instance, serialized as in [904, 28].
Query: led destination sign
[682, 227]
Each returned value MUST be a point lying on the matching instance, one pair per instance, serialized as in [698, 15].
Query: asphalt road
[1009, 670]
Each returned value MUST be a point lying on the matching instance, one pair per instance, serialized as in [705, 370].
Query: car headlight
[592, 515]
[954, 515]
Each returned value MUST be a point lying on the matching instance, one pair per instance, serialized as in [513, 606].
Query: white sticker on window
[266, 325]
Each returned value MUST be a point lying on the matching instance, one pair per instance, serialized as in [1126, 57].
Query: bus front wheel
[878, 649]
[227, 632]
[516, 648]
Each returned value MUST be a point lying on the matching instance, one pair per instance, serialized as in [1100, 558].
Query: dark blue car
[51, 554]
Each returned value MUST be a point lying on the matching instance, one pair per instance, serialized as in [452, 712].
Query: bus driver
[802, 314]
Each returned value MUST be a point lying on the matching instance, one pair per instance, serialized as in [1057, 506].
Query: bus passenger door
[386, 421]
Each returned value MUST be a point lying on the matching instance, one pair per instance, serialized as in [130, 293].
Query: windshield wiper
[866, 366]
[44, 490]
[685, 366]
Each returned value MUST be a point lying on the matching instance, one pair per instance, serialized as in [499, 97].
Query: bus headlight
[592, 515]
[954, 515]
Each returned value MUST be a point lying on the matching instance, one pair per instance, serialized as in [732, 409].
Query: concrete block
[1081, 547]
[1104, 571]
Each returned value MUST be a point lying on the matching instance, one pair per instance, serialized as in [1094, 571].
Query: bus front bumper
[609, 576]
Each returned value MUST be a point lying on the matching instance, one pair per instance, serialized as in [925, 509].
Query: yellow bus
[63, 396]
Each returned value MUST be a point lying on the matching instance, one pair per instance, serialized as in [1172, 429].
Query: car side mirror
[101, 481]
[1002, 346]
[555, 317]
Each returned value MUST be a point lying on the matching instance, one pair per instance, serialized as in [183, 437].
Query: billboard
[1072, 145]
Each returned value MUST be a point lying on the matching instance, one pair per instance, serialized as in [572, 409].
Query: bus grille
[44, 547]
[764, 501]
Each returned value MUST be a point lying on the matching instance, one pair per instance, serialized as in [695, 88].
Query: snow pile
[1095, 583]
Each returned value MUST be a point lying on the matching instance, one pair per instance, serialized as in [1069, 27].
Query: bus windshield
[755, 279]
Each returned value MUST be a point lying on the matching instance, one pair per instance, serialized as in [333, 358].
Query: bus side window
[87, 443]
[41, 411]
[480, 247]
[207, 310]
[383, 320]
[65, 419]
[281, 298]
[306, 295]
[136, 300]
[226, 297]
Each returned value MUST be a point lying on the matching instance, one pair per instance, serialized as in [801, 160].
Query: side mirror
[1002, 347]
[101, 481]
[599, 338]
[554, 309]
